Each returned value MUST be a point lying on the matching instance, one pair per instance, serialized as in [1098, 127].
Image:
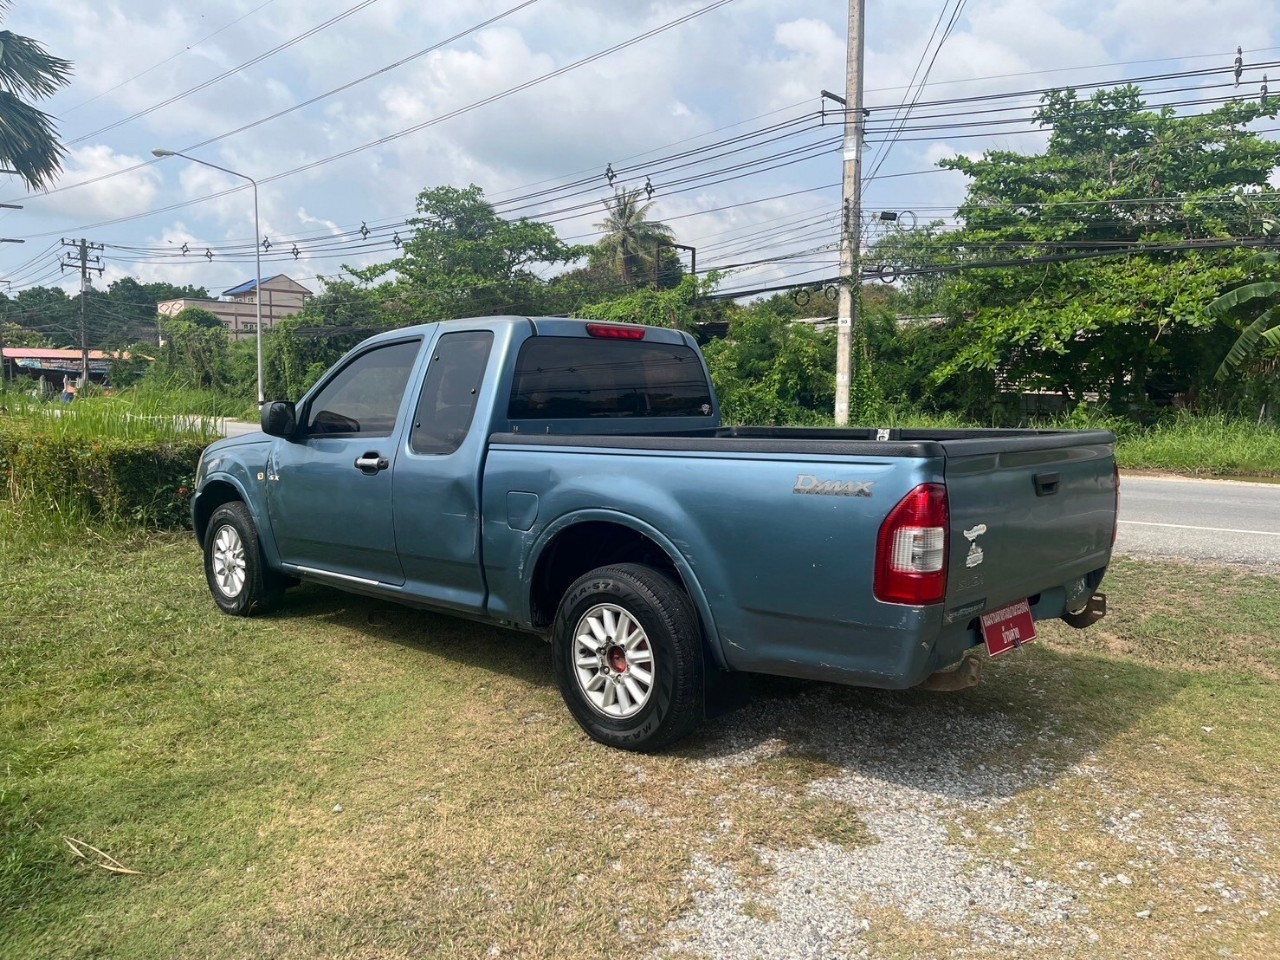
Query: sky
[346, 109]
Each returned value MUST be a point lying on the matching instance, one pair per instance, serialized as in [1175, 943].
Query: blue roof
[248, 285]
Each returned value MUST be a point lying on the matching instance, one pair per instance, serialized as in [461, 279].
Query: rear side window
[365, 394]
[448, 401]
[571, 378]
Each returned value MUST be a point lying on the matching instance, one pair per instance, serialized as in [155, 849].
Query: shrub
[132, 482]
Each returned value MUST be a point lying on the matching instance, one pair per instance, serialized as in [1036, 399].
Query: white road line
[1181, 526]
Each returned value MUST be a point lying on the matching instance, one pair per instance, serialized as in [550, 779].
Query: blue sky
[694, 84]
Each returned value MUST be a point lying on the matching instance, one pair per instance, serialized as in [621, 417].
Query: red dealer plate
[1008, 627]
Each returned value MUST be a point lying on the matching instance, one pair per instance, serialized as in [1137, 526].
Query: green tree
[1132, 328]
[298, 350]
[195, 352]
[683, 307]
[630, 241]
[125, 312]
[47, 312]
[465, 260]
[28, 139]
[770, 370]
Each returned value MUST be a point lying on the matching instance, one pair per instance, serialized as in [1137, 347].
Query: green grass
[1206, 445]
[129, 416]
[208, 754]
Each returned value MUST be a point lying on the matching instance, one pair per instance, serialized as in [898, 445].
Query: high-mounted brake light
[614, 331]
[912, 548]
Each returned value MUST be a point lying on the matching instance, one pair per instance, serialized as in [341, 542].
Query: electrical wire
[337, 18]
[155, 66]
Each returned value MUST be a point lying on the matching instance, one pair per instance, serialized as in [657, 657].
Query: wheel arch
[220, 488]
[577, 543]
[214, 494]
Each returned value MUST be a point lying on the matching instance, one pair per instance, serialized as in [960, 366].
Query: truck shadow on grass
[1035, 714]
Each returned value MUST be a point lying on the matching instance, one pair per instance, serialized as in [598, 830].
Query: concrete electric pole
[851, 214]
[80, 261]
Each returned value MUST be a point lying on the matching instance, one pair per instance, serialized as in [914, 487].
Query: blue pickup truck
[573, 479]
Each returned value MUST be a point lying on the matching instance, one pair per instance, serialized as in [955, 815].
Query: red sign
[1009, 627]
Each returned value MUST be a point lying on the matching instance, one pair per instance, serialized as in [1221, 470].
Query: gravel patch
[907, 769]
[913, 769]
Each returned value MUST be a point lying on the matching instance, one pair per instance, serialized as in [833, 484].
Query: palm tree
[630, 241]
[28, 140]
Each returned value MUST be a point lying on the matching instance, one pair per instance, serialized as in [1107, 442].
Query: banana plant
[1263, 329]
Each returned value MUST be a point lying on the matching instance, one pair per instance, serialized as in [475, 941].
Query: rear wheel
[628, 657]
[238, 578]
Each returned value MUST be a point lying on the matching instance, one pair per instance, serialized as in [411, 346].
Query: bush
[131, 482]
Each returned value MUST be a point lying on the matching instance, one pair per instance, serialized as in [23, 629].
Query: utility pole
[851, 214]
[4, 370]
[81, 260]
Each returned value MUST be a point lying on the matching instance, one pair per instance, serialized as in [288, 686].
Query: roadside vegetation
[1131, 292]
[349, 777]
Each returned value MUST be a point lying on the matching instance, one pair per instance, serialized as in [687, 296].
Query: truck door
[437, 488]
[329, 488]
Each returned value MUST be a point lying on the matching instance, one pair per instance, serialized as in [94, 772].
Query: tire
[237, 576]
[616, 626]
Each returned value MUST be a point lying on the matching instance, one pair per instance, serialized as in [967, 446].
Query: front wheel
[238, 578]
[628, 658]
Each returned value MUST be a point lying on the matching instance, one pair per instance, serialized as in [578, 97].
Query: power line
[169, 59]
[391, 137]
[882, 152]
[338, 18]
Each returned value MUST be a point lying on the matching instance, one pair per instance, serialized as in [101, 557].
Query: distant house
[36, 362]
[281, 297]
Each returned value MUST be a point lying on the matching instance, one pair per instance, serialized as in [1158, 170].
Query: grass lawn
[348, 778]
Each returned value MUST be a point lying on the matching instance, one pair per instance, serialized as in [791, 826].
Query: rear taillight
[911, 550]
[1115, 524]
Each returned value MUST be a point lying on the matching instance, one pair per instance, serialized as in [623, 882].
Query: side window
[448, 401]
[365, 395]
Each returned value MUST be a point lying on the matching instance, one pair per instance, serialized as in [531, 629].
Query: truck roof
[544, 326]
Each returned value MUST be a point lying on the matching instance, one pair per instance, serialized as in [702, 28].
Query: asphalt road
[1219, 521]
[238, 428]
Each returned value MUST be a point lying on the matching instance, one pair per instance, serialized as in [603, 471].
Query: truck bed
[786, 579]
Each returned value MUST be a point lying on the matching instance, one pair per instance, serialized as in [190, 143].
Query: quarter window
[449, 392]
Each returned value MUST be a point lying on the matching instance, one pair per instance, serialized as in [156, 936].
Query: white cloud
[116, 196]
[657, 98]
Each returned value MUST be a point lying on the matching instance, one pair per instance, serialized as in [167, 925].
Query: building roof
[40, 353]
[250, 284]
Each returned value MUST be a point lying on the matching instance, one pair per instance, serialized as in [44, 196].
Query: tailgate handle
[1047, 484]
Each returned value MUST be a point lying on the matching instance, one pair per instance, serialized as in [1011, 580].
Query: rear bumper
[918, 644]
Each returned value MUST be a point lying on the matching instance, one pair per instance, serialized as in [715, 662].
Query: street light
[257, 248]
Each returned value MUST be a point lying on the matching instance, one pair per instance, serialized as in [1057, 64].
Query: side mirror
[279, 418]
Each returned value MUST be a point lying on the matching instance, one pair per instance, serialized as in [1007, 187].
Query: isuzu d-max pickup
[573, 479]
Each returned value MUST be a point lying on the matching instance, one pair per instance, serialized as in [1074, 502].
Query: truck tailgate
[1027, 514]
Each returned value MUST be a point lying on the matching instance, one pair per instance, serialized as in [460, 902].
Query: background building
[40, 363]
[281, 297]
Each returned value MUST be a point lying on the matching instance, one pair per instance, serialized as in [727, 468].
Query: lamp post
[257, 249]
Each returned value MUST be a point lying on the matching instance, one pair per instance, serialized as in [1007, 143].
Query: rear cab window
[572, 378]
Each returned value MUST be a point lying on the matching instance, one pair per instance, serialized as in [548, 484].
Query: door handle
[371, 463]
[1047, 484]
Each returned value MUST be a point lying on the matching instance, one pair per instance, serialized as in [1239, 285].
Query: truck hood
[248, 439]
